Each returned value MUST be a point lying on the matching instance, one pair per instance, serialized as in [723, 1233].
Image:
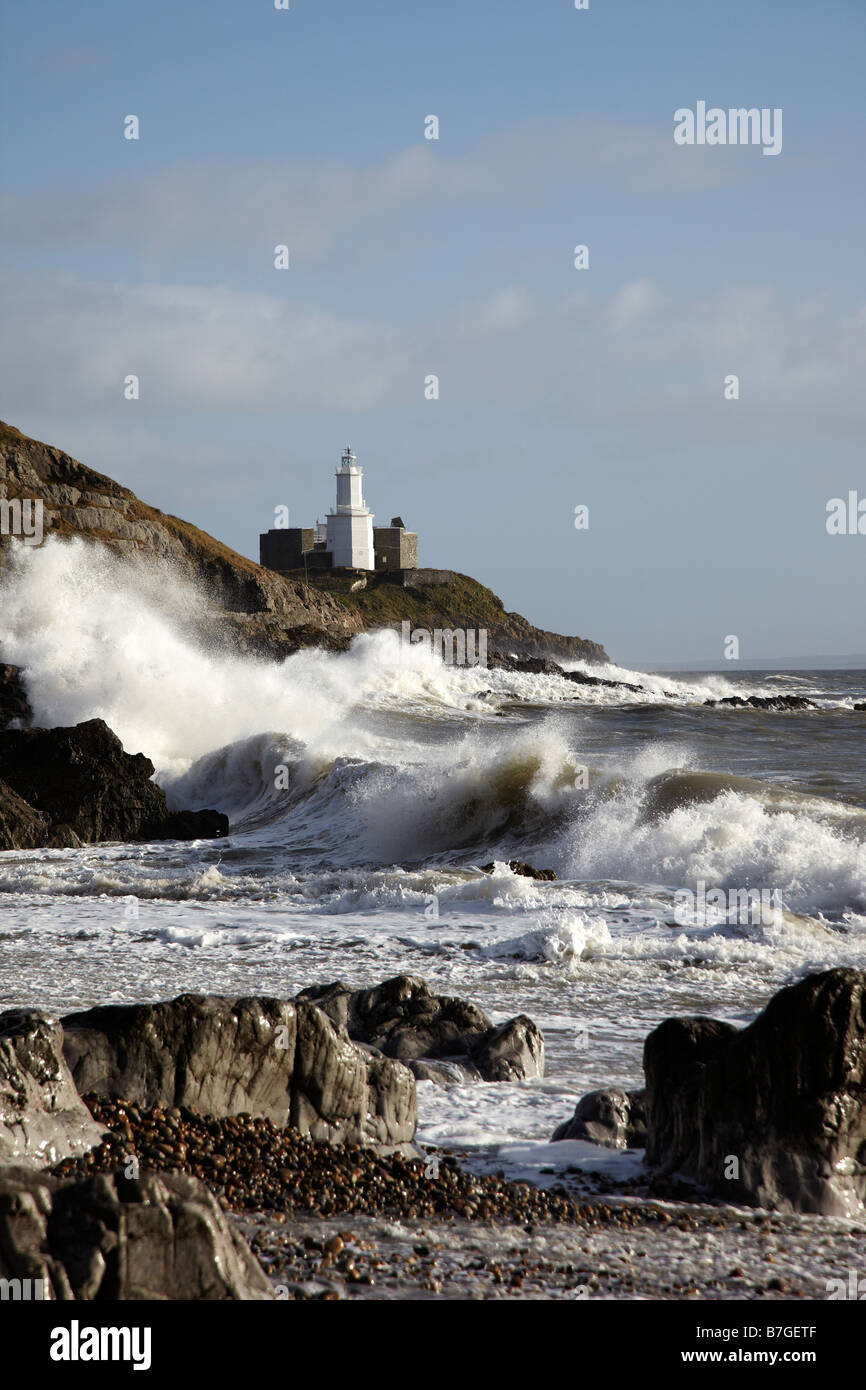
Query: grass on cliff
[463, 599]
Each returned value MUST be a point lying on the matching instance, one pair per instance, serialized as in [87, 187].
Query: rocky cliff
[255, 609]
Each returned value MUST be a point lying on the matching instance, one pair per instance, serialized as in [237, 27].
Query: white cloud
[640, 357]
[246, 206]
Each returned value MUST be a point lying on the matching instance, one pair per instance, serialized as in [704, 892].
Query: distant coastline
[855, 662]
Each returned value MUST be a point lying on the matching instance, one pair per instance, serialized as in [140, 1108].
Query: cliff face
[80, 502]
[255, 609]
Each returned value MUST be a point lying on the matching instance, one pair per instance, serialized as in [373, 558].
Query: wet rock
[773, 702]
[194, 825]
[83, 784]
[285, 1062]
[107, 1237]
[612, 1118]
[42, 1116]
[442, 1073]
[773, 1114]
[517, 866]
[403, 1018]
[511, 1052]
[545, 666]
[82, 777]
[342, 1092]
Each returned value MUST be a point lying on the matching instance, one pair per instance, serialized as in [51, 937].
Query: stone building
[346, 540]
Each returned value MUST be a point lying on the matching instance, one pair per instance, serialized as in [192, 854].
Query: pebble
[251, 1165]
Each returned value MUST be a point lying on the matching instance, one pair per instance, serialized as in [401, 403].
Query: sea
[368, 790]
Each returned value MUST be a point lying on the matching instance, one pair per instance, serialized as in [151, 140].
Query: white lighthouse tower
[349, 533]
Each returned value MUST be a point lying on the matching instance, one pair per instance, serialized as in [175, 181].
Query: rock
[442, 1073]
[861, 707]
[517, 866]
[511, 1052]
[85, 788]
[343, 1093]
[14, 705]
[785, 1098]
[531, 665]
[391, 1113]
[614, 1119]
[217, 1056]
[545, 666]
[42, 1117]
[194, 825]
[21, 827]
[403, 1018]
[285, 1062]
[775, 702]
[61, 837]
[109, 1238]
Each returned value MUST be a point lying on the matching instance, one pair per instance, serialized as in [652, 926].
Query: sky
[558, 387]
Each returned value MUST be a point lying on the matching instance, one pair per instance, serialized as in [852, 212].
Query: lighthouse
[349, 528]
[347, 539]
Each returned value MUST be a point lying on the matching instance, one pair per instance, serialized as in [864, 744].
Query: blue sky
[455, 257]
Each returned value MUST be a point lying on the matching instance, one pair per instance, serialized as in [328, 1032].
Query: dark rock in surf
[108, 1237]
[530, 665]
[615, 1119]
[771, 702]
[544, 666]
[286, 1062]
[442, 1072]
[511, 1052]
[774, 1114]
[403, 1018]
[581, 678]
[861, 707]
[517, 866]
[193, 825]
[84, 788]
[14, 705]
